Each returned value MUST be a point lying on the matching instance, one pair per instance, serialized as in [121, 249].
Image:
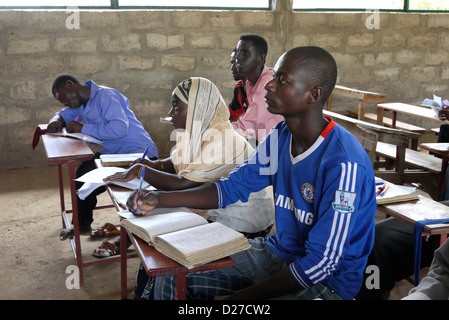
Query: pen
[76, 119]
[140, 188]
[384, 190]
[380, 189]
[144, 154]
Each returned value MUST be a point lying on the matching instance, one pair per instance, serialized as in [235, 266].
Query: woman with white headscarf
[207, 149]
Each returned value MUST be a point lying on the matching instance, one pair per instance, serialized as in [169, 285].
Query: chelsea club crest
[308, 192]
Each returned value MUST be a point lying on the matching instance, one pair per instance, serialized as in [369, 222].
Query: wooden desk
[442, 149]
[423, 209]
[421, 112]
[155, 263]
[62, 150]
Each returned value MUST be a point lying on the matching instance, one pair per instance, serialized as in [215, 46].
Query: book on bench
[187, 237]
[394, 193]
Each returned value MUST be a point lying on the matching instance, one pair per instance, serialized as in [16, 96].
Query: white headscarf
[210, 147]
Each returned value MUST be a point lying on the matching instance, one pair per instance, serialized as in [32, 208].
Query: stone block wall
[145, 54]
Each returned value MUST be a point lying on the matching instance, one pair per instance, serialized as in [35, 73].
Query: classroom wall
[144, 54]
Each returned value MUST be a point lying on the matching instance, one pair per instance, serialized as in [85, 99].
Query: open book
[119, 160]
[186, 237]
[393, 193]
[77, 135]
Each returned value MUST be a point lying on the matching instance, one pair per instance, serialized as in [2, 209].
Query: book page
[396, 193]
[111, 160]
[151, 226]
[77, 135]
[200, 238]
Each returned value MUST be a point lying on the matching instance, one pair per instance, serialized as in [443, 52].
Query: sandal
[107, 249]
[105, 230]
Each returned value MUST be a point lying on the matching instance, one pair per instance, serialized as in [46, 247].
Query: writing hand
[74, 127]
[54, 126]
[148, 201]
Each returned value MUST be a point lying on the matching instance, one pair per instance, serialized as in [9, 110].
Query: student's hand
[126, 175]
[443, 114]
[145, 162]
[54, 126]
[147, 202]
[74, 127]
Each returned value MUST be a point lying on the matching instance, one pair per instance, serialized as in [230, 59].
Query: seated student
[103, 113]
[239, 102]
[251, 54]
[325, 202]
[434, 286]
[208, 149]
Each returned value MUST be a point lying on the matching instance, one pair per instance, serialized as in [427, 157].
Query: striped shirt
[324, 202]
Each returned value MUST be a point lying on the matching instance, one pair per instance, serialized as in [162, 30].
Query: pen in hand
[77, 118]
[144, 154]
[140, 189]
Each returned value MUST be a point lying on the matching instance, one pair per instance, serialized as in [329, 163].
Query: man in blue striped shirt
[324, 190]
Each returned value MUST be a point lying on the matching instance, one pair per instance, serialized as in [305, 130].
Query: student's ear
[69, 84]
[262, 58]
[315, 94]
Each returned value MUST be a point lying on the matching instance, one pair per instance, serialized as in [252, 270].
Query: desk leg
[79, 258]
[61, 191]
[380, 116]
[181, 286]
[123, 264]
[393, 119]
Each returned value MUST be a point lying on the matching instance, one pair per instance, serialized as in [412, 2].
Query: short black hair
[320, 65]
[259, 42]
[61, 80]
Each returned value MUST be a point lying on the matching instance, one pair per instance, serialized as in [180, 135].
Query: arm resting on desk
[202, 197]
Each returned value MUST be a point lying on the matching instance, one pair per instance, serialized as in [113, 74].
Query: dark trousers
[394, 254]
[86, 206]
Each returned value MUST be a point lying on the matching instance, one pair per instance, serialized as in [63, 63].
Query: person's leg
[86, 206]
[394, 253]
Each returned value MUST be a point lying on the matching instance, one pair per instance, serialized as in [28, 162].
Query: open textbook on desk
[186, 237]
[77, 135]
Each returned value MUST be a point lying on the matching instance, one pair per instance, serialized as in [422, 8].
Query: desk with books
[155, 263]
[60, 151]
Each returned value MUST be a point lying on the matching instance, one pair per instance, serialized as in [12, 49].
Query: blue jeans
[250, 267]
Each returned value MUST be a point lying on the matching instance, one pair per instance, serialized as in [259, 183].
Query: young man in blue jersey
[325, 203]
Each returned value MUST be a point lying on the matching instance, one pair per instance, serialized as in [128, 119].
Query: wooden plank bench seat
[413, 158]
[388, 122]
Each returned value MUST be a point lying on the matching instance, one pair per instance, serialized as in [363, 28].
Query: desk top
[423, 209]
[410, 109]
[441, 148]
[63, 149]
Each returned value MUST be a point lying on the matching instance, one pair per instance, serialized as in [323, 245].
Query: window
[156, 4]
[382, 5]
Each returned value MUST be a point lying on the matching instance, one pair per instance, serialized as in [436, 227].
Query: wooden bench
[388, 122]
[362, 96]
[402, 165]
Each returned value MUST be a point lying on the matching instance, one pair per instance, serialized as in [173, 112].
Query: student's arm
[159, 174]
[56, 124]
[202, 197]
[114, 122]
